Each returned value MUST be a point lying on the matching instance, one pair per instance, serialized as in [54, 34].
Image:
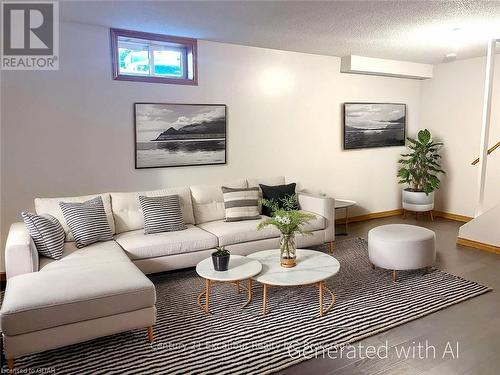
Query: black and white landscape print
[170, 135]
[374, 125]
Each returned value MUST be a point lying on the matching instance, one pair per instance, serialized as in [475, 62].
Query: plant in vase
[220, 259]
[419, 169]
[289, 222]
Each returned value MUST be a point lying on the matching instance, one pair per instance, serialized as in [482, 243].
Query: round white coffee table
[313, 267]
[240, 268]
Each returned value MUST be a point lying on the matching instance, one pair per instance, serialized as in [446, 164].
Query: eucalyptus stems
[287, 219]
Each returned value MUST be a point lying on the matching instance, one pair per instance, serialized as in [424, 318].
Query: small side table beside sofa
[344, 204]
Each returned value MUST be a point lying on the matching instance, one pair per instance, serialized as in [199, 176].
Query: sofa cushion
[208, 202]
[127, 210]
[230, 233]
[87, 221]
[69, 297]
[239, 231]
[142, 246]
[51, 206]
[108, 252]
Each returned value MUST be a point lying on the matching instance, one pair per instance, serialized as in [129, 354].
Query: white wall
[452, 109]
[71, 132]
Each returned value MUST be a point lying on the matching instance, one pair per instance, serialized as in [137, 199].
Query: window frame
[189, 57]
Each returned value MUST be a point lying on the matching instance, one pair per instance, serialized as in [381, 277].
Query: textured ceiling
[419, 31]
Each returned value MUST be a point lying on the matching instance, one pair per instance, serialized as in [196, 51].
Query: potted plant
[289, 222]
[220, 258]
[419, 169]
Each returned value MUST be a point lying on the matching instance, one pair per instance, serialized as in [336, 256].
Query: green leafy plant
[288, 203]
[420, 167]
[221, 252]
[288, 221]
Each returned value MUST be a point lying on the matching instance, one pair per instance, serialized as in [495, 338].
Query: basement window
[146, 57]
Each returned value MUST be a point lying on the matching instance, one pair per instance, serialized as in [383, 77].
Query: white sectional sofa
[100, 290]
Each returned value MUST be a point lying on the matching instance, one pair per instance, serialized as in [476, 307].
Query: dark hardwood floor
[474, 324]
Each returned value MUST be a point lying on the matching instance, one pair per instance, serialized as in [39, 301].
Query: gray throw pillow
[47, 234]
[162, 214]
[87, 221]
[241, 203]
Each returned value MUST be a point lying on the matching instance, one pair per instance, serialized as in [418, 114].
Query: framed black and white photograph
[174, 135]
[374, 125]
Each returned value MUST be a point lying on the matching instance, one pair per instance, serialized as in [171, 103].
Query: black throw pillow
[277, 193]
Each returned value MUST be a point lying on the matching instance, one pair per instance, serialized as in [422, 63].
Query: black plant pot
[221, 263]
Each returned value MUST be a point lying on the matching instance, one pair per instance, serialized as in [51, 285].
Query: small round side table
[240, 268]
[344, 204]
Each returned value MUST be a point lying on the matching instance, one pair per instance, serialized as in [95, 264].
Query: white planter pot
[418, 201]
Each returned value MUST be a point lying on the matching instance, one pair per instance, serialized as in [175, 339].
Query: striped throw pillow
[162, 214]
[241, 203]
[87, 221]
[47, 233]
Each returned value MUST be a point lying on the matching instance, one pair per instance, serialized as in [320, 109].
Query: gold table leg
[208, 287]
[207, 294]
[249, 294]
[264, 299]
[320, 287]
[323, 288]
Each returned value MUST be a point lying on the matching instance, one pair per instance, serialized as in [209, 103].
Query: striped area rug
[235, 341]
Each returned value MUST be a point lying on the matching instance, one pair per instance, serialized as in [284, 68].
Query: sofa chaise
[102, 289]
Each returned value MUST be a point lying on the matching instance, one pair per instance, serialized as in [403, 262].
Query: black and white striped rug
[235, 341]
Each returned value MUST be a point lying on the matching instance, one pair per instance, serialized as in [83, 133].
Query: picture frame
[372, 125]
[179, 135]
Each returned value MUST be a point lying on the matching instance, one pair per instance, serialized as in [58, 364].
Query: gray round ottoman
[401, 247]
